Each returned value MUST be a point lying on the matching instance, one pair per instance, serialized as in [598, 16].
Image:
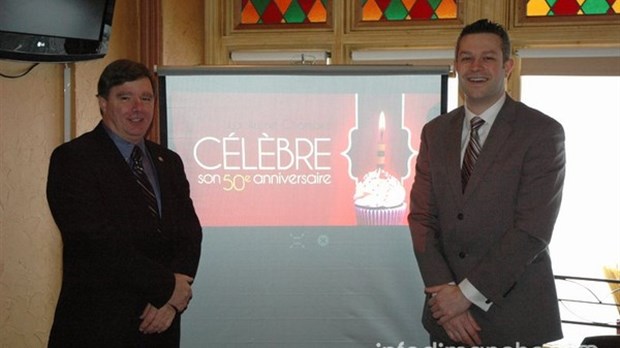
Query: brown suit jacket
[497, 233]
[114, 260]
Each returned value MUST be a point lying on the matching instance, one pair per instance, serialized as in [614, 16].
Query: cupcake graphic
[379, 197]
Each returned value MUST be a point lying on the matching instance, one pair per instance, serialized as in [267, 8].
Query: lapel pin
[160, 158]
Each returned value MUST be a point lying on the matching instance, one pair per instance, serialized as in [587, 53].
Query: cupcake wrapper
[381, 216]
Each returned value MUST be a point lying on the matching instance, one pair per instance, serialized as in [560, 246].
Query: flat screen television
[55, 31]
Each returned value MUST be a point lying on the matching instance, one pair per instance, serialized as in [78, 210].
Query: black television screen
[55, 31]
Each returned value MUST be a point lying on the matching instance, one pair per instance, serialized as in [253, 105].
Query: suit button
[460, 216]
[462, 254]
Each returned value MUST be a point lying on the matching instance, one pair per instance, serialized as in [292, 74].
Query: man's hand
[182, 293]
[156, 320]
[464, 329]
[447, 302]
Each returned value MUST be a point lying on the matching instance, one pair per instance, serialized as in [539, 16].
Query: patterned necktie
[472, 151]
[145, 184]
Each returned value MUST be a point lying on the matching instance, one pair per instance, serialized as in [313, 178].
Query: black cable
[20, 75]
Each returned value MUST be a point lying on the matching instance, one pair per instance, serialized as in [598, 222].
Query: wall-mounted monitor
[55, 31]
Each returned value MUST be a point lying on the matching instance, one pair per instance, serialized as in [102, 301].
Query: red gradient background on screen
[287, 159]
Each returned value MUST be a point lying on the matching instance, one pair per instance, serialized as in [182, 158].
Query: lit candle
[381, 146]
[381, 125]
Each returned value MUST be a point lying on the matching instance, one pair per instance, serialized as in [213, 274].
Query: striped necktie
[145, 184]
[472, 151]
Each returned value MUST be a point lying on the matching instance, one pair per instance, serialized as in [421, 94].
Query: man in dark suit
[481, 235]
[128, 260]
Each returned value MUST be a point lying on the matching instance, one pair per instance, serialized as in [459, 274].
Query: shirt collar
[489, 115]
[123, 145]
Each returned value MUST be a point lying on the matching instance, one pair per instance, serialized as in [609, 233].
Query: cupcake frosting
[379, 189]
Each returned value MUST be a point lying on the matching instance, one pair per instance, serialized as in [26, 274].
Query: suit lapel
[160, 169]
[118, 176]
[111, 161]
[453, 152]
[498, 135]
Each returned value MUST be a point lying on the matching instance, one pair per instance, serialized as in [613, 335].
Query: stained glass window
[550, 8]
[276, 12]
[408, 10]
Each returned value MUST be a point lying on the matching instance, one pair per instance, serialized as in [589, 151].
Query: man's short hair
[483, 26]
[119, 72]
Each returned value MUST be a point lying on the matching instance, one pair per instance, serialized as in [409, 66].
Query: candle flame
[382, 121]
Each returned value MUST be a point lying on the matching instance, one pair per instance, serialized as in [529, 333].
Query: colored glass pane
[395, 11]
[549, 8]
[283, 4]
[407, 10]
[537, 8]
[371, 11]
[422, 10]
[294, 14]
[272, 12]
[595, 7]
[318, 13]
[249, 14]
[446, 9]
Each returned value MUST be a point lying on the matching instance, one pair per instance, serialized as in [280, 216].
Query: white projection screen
[300, 176]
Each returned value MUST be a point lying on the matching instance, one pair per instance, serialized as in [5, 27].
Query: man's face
[481, 70]
[128, 109]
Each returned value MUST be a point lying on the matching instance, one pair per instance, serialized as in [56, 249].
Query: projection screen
[300, 177]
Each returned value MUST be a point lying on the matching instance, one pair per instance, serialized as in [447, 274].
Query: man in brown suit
[481, 238]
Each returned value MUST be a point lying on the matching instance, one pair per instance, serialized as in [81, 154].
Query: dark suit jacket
[114, 261]
[495, 234]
